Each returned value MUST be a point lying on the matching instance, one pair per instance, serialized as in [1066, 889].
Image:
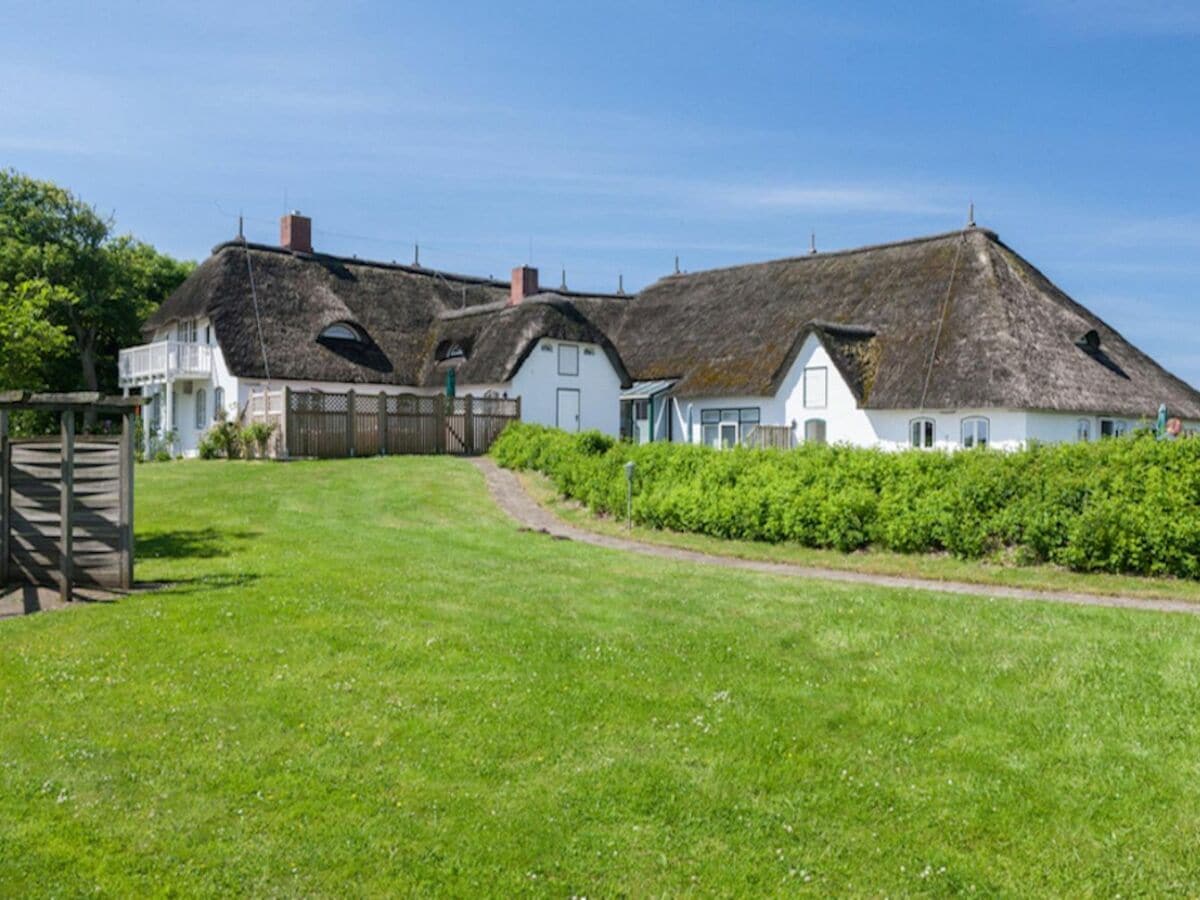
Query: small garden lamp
[629, 467]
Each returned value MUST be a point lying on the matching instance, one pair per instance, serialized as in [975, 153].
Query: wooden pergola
[66, 503]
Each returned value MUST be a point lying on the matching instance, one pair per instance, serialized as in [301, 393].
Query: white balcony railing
[162, 361]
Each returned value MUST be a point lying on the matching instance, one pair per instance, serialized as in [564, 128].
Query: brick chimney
[295, 232]
[524, 284]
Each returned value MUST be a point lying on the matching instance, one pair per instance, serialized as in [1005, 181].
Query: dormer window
[451, 351]
[341, 331]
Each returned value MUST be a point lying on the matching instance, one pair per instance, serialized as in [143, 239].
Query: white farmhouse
[950, 341]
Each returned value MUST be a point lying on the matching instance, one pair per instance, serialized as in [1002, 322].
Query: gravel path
[511, 496]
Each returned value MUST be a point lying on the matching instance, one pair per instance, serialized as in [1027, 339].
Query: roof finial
[563, 286]
[676, 263]
[621, 283]
[971, 215]
[812, 242]
[416, 255]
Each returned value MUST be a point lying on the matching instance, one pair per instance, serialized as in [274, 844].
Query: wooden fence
[66, 508]
[328, 425]
[780, 437]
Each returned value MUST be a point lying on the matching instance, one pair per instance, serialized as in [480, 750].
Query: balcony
[163, 361]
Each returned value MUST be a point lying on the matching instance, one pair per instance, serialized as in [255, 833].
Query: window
[814, 431]
[201, 409]
[921, 433]
[218, 403]
[727, 427]
[641, 410]
[1112, 428]
[185, 332]
[340, 331]
[975, 432]
[568, 359]
[816, 388]
[174, 409]
[1083, 430]
[208, 334]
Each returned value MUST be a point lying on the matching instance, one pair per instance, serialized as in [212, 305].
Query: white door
[568, 409]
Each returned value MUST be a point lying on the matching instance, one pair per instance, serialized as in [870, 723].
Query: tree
[27, 336]
[60, 260]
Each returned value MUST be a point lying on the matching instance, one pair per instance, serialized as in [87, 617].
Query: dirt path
[512, 497]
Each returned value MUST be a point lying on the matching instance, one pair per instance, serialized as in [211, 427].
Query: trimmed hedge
[1124, 505]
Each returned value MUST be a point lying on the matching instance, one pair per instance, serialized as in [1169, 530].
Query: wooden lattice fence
[66, 502]
[317, 424]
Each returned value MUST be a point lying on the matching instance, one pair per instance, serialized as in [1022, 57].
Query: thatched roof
[497, 338]
[397, 308]
[1005, 336]
[955, 320]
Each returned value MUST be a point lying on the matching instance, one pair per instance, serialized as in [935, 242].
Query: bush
[255, 439]
[1127, 505]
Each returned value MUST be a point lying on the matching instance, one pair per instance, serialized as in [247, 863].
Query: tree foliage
[72, 293]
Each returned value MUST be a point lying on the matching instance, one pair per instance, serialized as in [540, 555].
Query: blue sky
[608, 137]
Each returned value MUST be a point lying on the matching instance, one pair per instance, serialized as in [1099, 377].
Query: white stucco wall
[1009, 429]
[537, 383]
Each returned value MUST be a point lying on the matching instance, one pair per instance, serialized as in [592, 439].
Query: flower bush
[1124, 505]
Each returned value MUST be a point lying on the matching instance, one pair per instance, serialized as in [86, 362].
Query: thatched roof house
[955, 321]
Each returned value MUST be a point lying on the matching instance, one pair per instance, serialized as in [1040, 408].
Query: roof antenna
[621, 284]
[416, 255]
[676, 263]
[971, 215]
[241, 234]
[812, 243]
[563, 286]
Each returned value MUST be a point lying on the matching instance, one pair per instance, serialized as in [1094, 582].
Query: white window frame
[201, 401]
[218, 402]
[716, 421]
[810, 402]
[928, 434]
[1117, 427]
[568, 363]
[1083, 430]
[972, 439]
[823, 426]
[186, 331]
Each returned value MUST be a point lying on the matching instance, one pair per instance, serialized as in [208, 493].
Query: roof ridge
[848, 251]
[405, 267]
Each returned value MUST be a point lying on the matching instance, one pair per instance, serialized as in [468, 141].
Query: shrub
[1127, 505]
[255, 438]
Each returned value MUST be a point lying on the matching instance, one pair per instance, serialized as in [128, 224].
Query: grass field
[366, 680]
[937, 567]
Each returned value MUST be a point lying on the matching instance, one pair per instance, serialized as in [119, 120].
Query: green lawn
[367, 681]
[938, 567]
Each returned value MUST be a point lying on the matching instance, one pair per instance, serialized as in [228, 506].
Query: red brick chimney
[295, 232]
[524, 284]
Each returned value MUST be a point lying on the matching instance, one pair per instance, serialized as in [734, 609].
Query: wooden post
[468, 426]
[125, 519]
[5, 477]
[351, 424]
[383, 435]
[66, 508]
[285, 424]
[439, 423]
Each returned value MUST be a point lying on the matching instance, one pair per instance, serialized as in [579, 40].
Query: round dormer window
[340, 331]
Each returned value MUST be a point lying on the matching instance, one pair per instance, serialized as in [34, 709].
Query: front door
[568, 409]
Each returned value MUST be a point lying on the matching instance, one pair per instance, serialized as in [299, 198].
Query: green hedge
[1124, 505]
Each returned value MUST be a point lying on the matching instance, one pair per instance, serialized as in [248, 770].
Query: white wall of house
[800, 398]
[541, 377]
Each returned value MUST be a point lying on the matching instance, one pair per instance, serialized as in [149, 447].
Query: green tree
[27, 336]
[60, 262]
